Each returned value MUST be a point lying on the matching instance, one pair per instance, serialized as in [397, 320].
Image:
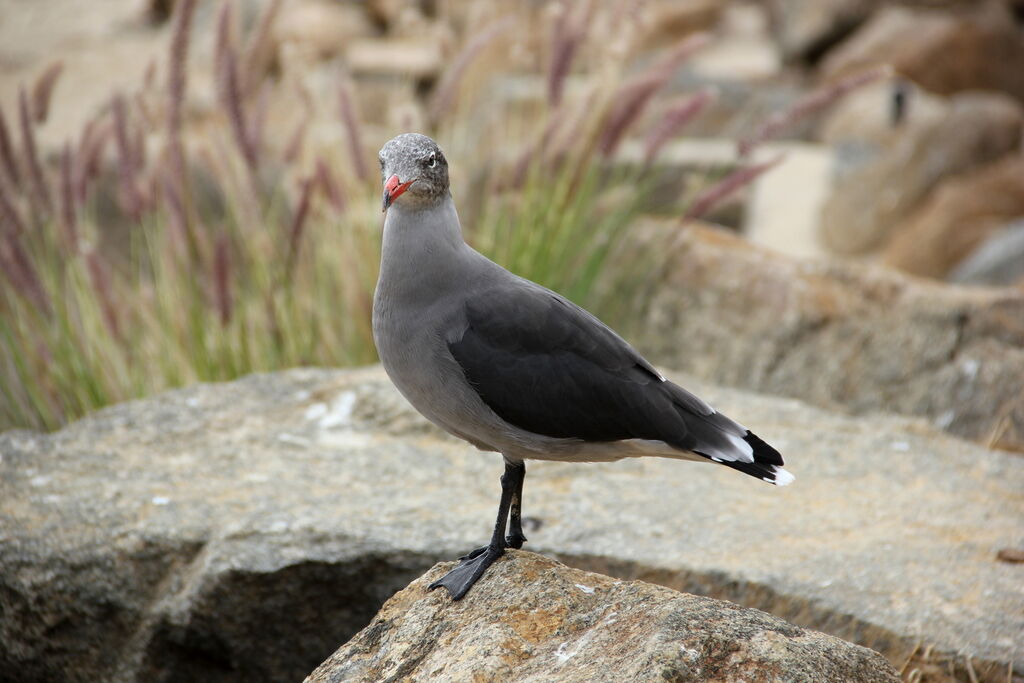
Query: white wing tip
[783, 477]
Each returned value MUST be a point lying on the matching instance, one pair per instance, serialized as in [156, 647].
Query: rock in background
[970, 46]
[957, 217]
[885, 171]
[998, 261]
[806, 29]
[861, 338]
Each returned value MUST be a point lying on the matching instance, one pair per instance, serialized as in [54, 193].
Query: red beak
[393, 189]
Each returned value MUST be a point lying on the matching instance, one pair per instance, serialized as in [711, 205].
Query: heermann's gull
[512, 367]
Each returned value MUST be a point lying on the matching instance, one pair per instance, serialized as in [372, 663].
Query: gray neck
[423, 252]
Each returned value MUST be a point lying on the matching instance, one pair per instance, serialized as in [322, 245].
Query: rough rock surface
[864, 338]
[883, 172]
[977, 48]
[663, 21]
[807, 28]
[956, 217]
[998, 261]
[241, 531]
[534, 620]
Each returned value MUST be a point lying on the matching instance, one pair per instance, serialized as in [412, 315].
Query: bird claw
[459, 580]
[515, 541]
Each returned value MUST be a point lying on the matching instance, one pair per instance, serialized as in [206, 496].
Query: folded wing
[545, 365]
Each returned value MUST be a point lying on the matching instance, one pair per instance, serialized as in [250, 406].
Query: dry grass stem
[297, 228]
[352, 130]
[9, 212]
[627, 106]
[529, 153]
[68, 218]
[675, 118]
[259, 121]
[222, 278]
[223, 39]
[448, 88]
[177, 83]
[145, 108]
[17, 265]
[969, 666]
[569, 32]
[180, 228]
[90, 155]
[293, 149]
[259, 49]
[99, 276]
[329, 186]
[630, 100]
[137, 146]
[149, 76]
[42, 91]
[7, 156]
[236, 113]
[724, 188]
[574, 131]
[40, 188]
[808, 105]
[130, 200]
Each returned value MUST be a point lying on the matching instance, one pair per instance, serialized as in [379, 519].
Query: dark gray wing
[547, 366]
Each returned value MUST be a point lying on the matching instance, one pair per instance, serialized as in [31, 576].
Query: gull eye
[432, 161]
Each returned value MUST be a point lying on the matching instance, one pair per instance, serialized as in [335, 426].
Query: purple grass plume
[297, 227]
[68, 205]
[224, 40]
[675, 118]
[99, 276]
[8, 160]
[42, 91]
[40, 188]
[235, 107]
[724, 188]
[177, 83]
[9, 212]
[329, 185]
[296, 141]
[350, 119]
[632, 98]
[222, 278]
[569, 32]
[258, 123]
[89, 159]
[17, 266]
[128, 193]
[447, 89]
[806, 106]
[259, 48]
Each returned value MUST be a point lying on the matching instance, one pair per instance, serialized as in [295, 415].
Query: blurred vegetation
[128, 272]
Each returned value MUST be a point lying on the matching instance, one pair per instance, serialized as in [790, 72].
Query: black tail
[767, 464]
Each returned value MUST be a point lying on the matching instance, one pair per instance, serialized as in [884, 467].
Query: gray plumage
[512, 367]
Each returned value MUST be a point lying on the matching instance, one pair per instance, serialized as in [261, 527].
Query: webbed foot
[459, 580]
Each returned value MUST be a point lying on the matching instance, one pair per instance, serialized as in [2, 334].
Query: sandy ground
[103, 44]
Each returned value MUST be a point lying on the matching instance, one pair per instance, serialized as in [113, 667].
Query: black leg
[472, 566]
[515, 538]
